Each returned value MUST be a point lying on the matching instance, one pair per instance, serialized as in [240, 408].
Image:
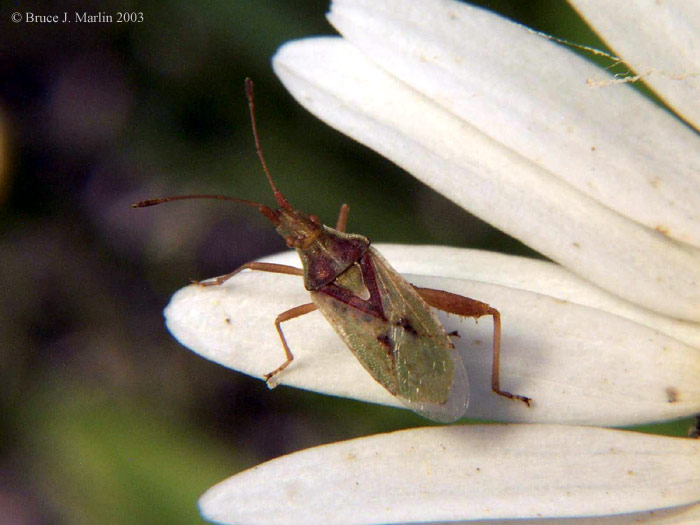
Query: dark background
[106, 418]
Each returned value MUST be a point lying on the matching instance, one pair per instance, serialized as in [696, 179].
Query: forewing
[431, 378]
[429, 372]
[399, 340]
[364, 334]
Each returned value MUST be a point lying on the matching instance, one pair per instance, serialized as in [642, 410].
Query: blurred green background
[106, 418]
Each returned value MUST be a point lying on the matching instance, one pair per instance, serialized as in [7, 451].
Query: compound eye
[315, 219]
[289, 241]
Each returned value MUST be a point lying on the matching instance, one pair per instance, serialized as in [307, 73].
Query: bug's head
[298, 229]
[324, 252]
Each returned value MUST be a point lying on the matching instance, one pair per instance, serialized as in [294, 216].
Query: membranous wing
[397, 337]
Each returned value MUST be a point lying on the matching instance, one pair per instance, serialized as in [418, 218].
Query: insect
[385, 321]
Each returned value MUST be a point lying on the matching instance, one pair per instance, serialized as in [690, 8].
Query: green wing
[397, 338]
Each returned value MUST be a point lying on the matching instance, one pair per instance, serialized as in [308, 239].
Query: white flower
[601, 180]
[474, 472]
[504, 123]
[580, 363]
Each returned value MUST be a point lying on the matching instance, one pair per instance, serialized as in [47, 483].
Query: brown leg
[466, 307]
[342, 218]
[292, 313]
[259, 266]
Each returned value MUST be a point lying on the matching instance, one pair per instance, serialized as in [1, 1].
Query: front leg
[292, 313]
[297, 311]
[466, 307]
[259, 266]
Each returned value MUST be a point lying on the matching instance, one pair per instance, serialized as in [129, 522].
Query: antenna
[281, 200]
[264, 209]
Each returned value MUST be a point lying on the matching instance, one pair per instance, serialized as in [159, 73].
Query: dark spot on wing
[388, 344]
[406, 325]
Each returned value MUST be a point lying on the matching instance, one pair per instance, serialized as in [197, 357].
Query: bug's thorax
[325, 253]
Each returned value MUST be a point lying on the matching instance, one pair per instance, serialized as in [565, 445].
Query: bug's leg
[466, 307]
[342, 221]
[259, 266]
[292, 313]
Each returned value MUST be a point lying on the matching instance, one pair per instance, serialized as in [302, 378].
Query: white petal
[464, 472]
[660, 40]
[333, 80]
[531, 95]
[579, 364]
[541, 277]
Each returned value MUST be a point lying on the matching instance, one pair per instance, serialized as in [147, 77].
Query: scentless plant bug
[385, 321]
